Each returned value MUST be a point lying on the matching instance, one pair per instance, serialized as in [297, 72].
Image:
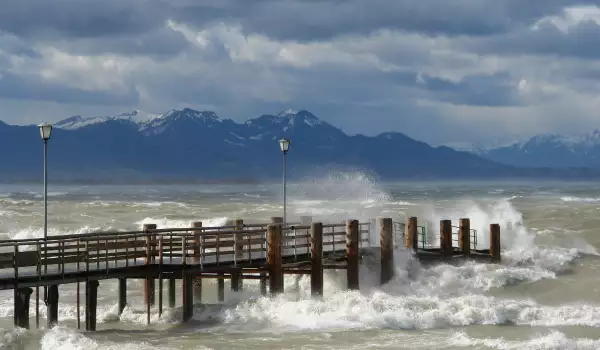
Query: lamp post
[45, 131]
[284, 144]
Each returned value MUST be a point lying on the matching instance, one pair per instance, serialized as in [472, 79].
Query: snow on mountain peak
[78, 121]
[287, 112]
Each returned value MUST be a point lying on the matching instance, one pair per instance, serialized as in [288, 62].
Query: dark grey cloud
[41, 19]
[324, 19]
[32, 88]
[496, 90]
[366, 66]
[580, 40]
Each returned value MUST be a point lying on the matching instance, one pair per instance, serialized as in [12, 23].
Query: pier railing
[426, 240]
[231, 245]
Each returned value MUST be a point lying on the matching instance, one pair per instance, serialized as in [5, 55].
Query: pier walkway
[236, 252]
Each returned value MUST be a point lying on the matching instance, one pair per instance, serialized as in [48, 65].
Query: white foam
[570, 199]
[65, 338]
[174, 223]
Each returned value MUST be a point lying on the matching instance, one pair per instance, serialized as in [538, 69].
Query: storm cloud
[440, 71]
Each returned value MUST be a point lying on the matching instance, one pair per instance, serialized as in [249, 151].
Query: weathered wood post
[198, 279]
[274, 258]
[149, 292]
[495, 242]
[52, 305]
[411, 234]
[264, 278]
[221, 287]
[386, 243]
[236, 280]
[91, 303]
[122, 294]
[21, 308]
[446, 238]
[236, 276]
[188, 296]
[464, 236]
[171, 290]
[352, 237]
[316, 259]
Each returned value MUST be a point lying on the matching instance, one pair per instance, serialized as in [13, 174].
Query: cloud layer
[440, 71]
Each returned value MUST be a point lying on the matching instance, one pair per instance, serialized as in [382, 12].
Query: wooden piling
[171, 291]
[236, 281]
[464, 236]
[197, 249]
[239, 240]
[91, 304]
[149, 291]
[352, 238]
[221, 287]
[274, 258]
[21, 308]
[386, 243]
[188, 297]
[122, 294]
[316, 259]
[52, 305]
[495, 242]
[446, 238]
[263, 284]
[411, 235]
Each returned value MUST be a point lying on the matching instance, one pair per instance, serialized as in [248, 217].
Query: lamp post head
[45, 131]
[284, 144]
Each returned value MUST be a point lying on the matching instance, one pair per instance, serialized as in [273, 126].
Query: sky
[441, 71]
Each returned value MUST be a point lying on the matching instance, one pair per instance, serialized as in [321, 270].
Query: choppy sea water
[544, 295]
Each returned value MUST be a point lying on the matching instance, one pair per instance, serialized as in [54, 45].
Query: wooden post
[386, 243]
[446, 238]
[239, 240]
[21, 308]
[188, 297]
[236, 278]
[352, 237]
[495, 242]
[122, 294]
[411, 234]
[171, 290]
[197, 249]
[316, 259]
[149, 292]
[263, 284]
[91, 304]
[274, 258]
[52, 305]
[236, 281]
[221, 287]
[464, 236]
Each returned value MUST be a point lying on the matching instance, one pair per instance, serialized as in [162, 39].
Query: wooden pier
[237, 252]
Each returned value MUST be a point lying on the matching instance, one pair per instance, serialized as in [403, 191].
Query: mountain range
[190, 145]
[545, 150]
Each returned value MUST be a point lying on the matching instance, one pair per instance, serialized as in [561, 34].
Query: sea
[545, 293]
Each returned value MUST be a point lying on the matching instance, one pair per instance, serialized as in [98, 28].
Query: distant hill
[548, 150]
[189, 145]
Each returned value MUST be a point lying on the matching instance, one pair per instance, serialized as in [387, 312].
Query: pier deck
[236, 252]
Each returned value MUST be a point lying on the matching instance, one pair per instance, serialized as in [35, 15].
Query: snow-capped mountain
[78, 121]
[198, 144]
[549, 150]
